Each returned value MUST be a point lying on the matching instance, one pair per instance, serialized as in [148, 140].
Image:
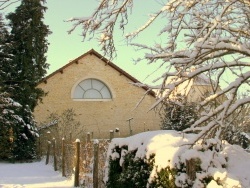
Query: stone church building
[101, 95]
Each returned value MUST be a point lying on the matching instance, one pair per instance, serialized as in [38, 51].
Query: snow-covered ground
[31, 175]
[168, 147]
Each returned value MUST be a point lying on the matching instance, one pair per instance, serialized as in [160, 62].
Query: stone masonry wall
[98, 117]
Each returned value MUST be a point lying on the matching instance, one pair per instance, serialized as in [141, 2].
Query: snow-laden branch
[104, 20]
[233, 85]
[153, 17]
[199, 38]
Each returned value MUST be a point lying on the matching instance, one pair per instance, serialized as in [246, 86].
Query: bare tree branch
[5, 3]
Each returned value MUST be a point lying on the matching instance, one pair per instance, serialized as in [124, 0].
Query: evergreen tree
[9, 121]
[178, 114]
[6, 109]
[24, 64]
[28, 36]
[3, 35]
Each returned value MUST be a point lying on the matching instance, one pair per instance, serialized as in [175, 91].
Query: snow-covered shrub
[164, 178]
[133, 172]
[206, 159]
[172, 160]
[234, 135]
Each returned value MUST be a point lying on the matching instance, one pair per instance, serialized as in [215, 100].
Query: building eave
[107, 61]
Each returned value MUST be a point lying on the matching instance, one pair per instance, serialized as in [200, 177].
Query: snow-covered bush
[234, 136]
[169, 159]
[131, 172]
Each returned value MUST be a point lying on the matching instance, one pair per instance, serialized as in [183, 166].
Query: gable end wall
[98, 117]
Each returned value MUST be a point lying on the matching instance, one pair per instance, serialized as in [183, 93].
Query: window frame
[91, 99]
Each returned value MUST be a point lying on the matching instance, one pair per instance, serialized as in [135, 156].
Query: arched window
[91, 89]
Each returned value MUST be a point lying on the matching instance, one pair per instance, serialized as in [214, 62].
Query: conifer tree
[9, 122]
[3, 35]
[25, 66]
[5, 106]
[28, 35]
[178, 114]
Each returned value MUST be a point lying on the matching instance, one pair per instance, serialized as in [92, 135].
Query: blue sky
[64, 47]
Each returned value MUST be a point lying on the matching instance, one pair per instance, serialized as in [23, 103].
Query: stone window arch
[92, 88]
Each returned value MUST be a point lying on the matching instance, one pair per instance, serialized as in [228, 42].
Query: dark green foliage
[14, 132]
[233, 135]
[114, 170]
[5, 55]
[29, 45]
[8, 120]
[25, 136]
[178, 114]
[136, 171]
[22, 66]
[133, 173]
[3, 40]
[165, 178]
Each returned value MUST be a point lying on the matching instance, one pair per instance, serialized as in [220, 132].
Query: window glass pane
[97, 84]
[78, 93]
[105, 93]
[86, 84]
[92, 89]
[92, 94]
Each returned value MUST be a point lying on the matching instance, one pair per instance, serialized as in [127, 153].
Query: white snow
[31, 175]
[170, 147]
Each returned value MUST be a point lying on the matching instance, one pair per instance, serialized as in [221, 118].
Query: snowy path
[31, 175]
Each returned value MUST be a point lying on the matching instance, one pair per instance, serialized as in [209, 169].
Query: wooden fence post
[95, 165]
[63, 157]
[54, 154]
[77, 163]
[48, 152]
[88, 137]
[111, 135]
[191, 167]
[70, 136]
[129, 124]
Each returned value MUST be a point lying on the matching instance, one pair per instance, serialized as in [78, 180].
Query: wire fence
[85, 160]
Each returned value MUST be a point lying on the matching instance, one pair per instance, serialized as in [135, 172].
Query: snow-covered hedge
[158, 155]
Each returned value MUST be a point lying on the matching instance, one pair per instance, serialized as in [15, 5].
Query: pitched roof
[108, 62]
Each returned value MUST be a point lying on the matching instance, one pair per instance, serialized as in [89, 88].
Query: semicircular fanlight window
[92, 89]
